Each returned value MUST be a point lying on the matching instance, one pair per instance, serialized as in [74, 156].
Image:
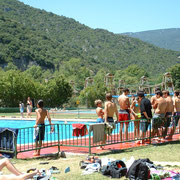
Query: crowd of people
[162, 112]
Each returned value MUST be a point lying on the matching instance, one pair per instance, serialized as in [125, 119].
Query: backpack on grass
[139, 170]
[115, 169]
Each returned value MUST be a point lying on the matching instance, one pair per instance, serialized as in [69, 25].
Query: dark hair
[109, 96]
[166, 92]
[159, 93]
[157, 89]
[40, 103]
[176, 93]
[125, 90]
[140, 94]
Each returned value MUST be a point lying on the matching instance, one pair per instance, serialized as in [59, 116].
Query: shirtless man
[159, 115]
[99, 111]
[169, 111]
[110, 109]
[154, 98]
[39, 133]
[100, 119]
[176, 102]
[124, 112]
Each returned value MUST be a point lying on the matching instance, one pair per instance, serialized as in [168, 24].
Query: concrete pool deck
[53, 119]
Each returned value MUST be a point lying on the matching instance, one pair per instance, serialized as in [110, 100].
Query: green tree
[91, 93]
[56, 92]
[175, 72]
[10, 66]
[74, 70]
[14, 88]
[131, 75]
[34, 72]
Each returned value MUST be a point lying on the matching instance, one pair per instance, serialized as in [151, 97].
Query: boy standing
[110, 109]
[100, 119]
[99, 111]
[39, 132]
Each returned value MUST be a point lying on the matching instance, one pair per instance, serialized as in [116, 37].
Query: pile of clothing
[141, 169]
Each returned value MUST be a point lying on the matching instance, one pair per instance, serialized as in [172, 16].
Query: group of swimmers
[165, 116]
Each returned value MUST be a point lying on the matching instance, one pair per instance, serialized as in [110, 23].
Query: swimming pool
[26, 132]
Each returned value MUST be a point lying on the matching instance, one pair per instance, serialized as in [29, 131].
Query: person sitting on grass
[39, 132]
[16, 174]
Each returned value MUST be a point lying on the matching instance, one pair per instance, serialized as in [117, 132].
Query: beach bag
[116, 169]
[139, 170]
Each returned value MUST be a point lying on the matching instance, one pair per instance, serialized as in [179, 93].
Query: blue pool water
[30, 123]
[26, 134]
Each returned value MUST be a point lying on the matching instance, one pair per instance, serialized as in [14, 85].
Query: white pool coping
[53, 119]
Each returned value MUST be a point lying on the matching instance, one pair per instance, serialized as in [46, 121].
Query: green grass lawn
[167, 152]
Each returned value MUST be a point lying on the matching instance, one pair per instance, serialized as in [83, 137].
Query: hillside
[29, 35]
[164, 38]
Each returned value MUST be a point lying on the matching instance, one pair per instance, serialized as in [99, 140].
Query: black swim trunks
[39, 132]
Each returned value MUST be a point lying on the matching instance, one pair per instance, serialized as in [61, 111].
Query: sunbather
[16, 174]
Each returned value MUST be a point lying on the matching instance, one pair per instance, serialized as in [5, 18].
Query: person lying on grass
[16, 174]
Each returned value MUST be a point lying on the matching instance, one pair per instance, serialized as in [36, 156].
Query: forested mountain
[32, 36]
[164, 38]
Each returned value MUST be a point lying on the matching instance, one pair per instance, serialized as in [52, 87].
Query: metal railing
[66, 134]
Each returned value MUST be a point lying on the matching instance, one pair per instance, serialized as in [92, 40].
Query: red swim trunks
[124, 115]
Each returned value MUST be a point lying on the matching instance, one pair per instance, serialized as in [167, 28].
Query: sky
[117, 16]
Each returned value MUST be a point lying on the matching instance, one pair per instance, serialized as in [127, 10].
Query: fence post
[58, 139]
[150, 131]
[89, 142]
[15, 147]
[78, 112]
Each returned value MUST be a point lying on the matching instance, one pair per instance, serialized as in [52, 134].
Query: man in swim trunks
[176, 103]
[41, 114]
[124, 112]
[169, 112]
[99, 111]
[160, 107]
[146, 114]
[110, 109]
[154, 98]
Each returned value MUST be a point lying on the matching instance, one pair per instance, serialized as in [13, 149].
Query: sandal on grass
[54, 170]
